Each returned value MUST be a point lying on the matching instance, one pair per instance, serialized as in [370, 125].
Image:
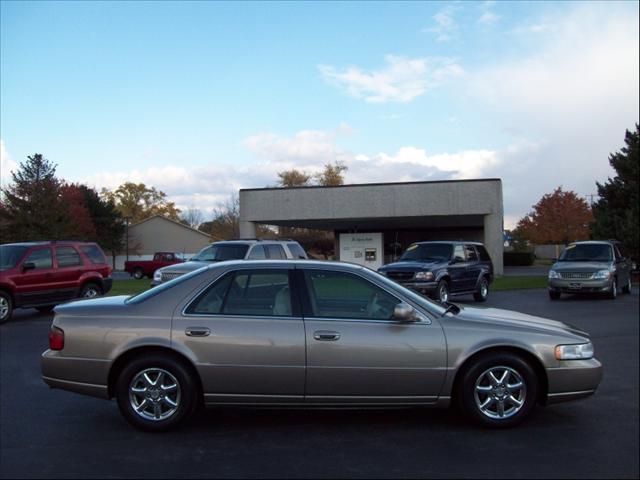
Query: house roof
[172, 221]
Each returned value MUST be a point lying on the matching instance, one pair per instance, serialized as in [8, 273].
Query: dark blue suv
[444, 269]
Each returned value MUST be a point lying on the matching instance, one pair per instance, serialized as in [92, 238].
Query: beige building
[161, 234]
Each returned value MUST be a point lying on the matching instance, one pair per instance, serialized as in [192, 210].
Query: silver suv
[591, 267]
[253, 249]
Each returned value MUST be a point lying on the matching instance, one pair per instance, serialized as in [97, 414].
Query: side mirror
[28, 266]
[404, 312]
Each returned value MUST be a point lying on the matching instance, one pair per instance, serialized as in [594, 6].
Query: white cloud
[401, 80]
[7, 165]
[488, 16]
[445, 27]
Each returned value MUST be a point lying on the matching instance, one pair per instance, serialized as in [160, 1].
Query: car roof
[451, 242]
[595, 242]
[287, 263]
[251, 241]
[47, 242]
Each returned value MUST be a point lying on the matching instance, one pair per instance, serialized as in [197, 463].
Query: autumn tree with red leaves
[559, 217]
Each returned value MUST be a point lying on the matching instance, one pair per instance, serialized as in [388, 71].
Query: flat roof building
[374, 223]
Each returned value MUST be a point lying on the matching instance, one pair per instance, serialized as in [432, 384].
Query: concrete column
[494, 241]
[247, 229]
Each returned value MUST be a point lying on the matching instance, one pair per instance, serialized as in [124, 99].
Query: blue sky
[202, 98]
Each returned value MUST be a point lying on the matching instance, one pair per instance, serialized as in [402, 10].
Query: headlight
[602, 274]
[424, 276]
[553, 274]
[157, 276]
[581, 351]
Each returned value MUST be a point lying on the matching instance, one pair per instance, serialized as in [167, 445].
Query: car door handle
[197, 332]
[326, 335]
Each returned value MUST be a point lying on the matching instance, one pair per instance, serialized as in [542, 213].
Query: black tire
[45, 309]
[185, 396]
[520, 371]
[627, 287]
[554, 294]
[613, 293]
[90, 290]
[482, 292]
[442, 292]
[6, 307]
[138, 274]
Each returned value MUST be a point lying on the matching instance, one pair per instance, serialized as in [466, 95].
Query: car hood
[510, 318]
[409, 266]
[580, 266]
[185, 267]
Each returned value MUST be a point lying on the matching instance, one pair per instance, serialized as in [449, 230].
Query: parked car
[444, 269]
[591, 267]
[313, 334]
[146, 268]
[43, 274]
[252, 249]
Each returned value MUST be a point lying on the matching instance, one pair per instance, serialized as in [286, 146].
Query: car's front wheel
[554, 294]
[627, 287]
[498, 391]
[6, 307]
[156, 393]
[613, 293]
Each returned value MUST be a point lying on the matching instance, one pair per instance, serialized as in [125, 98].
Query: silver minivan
[591, 267]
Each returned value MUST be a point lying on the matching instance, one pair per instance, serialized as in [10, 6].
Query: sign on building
[365, 249]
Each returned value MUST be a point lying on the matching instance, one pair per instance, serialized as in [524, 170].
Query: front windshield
[219, 253]
[420, 252]
[587, 252]
[10, 255]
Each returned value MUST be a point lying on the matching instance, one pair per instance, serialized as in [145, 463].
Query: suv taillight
[56, 338]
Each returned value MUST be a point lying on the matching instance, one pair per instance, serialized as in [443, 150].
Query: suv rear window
[93, 253]
[296, 250]
[484, 255]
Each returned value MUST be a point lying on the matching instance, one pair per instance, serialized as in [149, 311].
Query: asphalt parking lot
[51, 433]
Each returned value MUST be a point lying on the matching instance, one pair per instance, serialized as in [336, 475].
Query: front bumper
[422, 287]
[580, 286]
[573, 380]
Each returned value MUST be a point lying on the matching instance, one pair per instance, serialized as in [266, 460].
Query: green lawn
[129, 287]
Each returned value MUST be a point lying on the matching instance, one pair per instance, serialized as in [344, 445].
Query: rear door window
[275, 251]
[41, 257]
[257, 253]
[67, 257]
[472, 256]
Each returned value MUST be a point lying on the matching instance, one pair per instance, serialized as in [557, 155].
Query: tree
[559, 217]
[616, 212]
[191, 217]
[293, 178]
[225, 224]
[137, 201]
[32, 209]
[332, 175]
[79, 224]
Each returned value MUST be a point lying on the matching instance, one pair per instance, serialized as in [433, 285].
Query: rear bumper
[575, 379]
[79, 375]
[107, 283]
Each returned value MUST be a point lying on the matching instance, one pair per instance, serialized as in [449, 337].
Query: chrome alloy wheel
[443, 293]
[4, 308]
[91, 292]
[500, 392]
[154, 394]
[484, 289]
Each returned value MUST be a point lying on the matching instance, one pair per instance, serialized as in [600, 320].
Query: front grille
[400, 276]
[166, 276]
[576, 275]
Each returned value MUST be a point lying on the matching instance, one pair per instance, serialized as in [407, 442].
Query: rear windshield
[10, 255]
[425, 252]
[94, 254]
[296, 250]
[152, 292]
[221, 252]
[587, 252]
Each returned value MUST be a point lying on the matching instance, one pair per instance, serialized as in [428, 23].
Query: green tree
[32, 209]
[137, 201]
[616, 211]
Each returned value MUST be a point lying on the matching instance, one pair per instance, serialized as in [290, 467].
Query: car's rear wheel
[90, 290]
[627, 287]
[138, 274]
[156, 393]
[554, 294]
[6, 307]
[482, 292]
[613, 293]
[442, 292]
[498, 391]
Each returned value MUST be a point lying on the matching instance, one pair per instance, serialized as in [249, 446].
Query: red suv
[43, 274]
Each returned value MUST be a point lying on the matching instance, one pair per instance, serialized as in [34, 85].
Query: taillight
[56, 338]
